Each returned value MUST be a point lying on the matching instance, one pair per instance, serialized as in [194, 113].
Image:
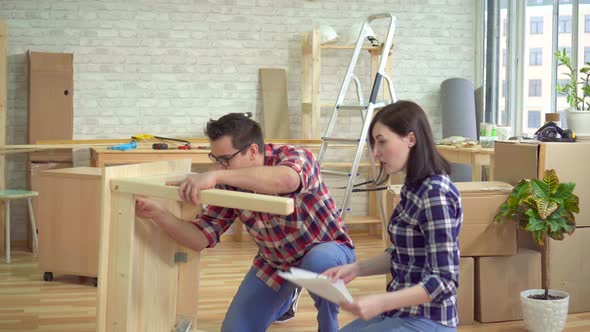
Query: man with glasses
[313, 237]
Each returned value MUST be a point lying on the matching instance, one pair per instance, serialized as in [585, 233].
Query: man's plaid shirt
[424, 229]
[283, 240]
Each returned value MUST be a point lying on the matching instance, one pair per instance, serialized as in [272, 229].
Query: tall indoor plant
[545, 208]
[578, 114]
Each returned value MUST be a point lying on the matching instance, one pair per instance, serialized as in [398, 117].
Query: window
[502, 118]
[586, 54]
[504, 26]
[535, 56]
[534, 120]
[536, 25]
[534, 88]
[504, 88]
[587, 23]
[504, 57]
[565, 24]
[562, 83]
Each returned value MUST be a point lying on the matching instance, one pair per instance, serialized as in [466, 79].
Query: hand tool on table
[163, 146]
[125, 146]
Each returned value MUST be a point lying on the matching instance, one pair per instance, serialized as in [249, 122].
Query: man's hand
[191, 186]
[365, 307]
[148, 208]
[345, 272]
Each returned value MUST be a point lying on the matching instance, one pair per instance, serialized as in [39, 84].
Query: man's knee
[324, 256]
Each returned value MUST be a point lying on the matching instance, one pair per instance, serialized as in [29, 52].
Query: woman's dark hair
[242, 130]
[404, 117]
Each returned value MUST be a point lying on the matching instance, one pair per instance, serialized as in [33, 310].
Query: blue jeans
[396, 324]
[255, 306]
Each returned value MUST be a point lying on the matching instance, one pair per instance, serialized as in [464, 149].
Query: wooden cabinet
[69, 221]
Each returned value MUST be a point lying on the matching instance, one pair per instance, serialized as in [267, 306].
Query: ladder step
[342, 140]
[351, 220]
[329, 164]
[362, 106]
[333, 172]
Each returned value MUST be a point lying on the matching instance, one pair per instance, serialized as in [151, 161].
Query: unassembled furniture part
[146, 281]
[69, 221]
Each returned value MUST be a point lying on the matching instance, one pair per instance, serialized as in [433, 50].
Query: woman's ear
[411, 139]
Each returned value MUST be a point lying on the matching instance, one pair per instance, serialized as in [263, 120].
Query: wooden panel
[137, 274]
[33, 177]
[275, 110]
[50, 101]
[227, 198]
[316, 63]
[3, 110]
[69, 220]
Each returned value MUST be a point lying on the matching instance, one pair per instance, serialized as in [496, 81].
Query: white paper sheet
[318, 284]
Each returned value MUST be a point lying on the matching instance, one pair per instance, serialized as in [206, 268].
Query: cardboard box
[499, 281]
[480, 235]
[516, 161]
[50, 102]
[569, 270]
[466, 291]
[33, 171]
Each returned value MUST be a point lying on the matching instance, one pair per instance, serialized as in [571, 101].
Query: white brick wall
[165, 67]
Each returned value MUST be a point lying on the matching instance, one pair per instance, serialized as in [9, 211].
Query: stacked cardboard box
[499, 281]
[480, 236]
[566, 267]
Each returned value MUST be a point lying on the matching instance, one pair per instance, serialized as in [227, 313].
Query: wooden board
[3, 111]
[50, 101]
[139, 287]
[142, 285]
[275, 109]
[68, 218]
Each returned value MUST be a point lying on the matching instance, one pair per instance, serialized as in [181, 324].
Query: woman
[424, 226]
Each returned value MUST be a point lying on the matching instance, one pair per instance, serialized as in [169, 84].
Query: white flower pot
[578, 122]
[544, 315]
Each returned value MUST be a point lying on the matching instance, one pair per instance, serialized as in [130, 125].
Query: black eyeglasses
[224, 160]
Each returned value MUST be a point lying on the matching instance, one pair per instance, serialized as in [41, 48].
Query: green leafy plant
[570, 90]
[543, 208]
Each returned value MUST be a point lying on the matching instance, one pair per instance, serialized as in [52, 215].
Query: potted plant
[578, 114]
[545, 208]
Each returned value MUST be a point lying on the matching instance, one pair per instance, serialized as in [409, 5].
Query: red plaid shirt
[283, 240]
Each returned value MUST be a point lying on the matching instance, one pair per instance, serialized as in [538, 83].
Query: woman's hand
[365, 307]
[191, 186]
[345, 272]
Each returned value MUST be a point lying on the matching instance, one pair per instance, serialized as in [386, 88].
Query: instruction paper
[318, 284]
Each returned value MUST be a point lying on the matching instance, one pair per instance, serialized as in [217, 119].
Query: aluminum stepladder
[366, 110]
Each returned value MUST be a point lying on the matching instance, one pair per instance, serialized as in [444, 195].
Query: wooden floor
[68, 304]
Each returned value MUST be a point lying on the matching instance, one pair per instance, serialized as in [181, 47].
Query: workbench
[477, 157]
[100, 157]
